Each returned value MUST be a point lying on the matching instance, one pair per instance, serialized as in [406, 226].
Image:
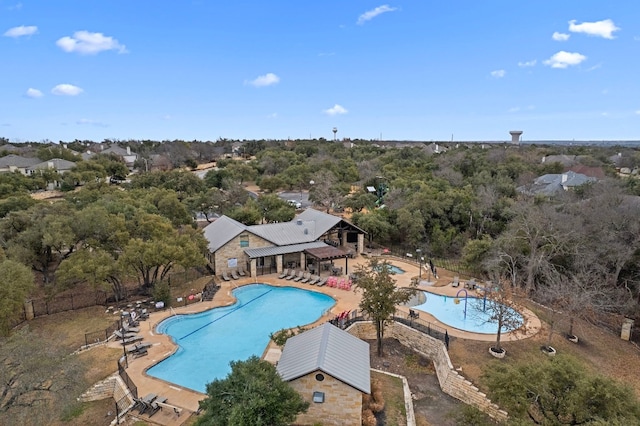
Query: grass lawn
[394, 410]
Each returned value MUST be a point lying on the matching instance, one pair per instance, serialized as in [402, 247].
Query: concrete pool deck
[346, 300]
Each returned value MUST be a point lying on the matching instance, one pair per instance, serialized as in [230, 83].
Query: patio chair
[139, 346]
[306, 278]
[284, 273]
[156, 405]
[241, 271]
[292, 274]
[234, 275]
[299, 277]
[322, 282]
[225, 276]
[121, 335]
[314, 279]
[132, 339]
[144, 404]
[456, 282]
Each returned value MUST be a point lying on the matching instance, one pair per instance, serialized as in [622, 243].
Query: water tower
[515, 136]
[335, 130]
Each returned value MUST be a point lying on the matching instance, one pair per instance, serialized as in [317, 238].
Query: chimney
[564, 177]
[128, 150]
[50, 164]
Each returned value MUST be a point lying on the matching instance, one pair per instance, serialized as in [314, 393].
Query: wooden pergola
[329, 253]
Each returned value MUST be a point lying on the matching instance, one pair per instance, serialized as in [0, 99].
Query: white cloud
[336, 110]
[66, 90]
[638, 112]
[498, 73]
[564, 59]
[525, 64]
[166, 117]
[264, 80]
[273, 115]
[89, 122]
[514, 109]
[87, 43]
[20, 31]
[370, 14]
[604, 29]
[33, 93]
[560, 36]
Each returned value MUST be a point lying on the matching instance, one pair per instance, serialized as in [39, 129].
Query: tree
[253, 394]
[16, 282]
[499, 303]
[559, 391]
[380, 294]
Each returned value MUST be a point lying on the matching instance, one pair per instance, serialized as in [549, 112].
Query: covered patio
[321, 259]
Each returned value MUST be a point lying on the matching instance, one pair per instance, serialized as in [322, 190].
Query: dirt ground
[432, 407]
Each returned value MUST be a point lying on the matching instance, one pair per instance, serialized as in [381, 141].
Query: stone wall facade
[233, 250]
[451, 382]
[342, 404]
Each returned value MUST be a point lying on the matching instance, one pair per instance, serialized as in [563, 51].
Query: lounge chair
[225, 276]
[284, 273]
[132, 339]
[120, 335]
[314, 279]
[139, 346]
[456, 282]
[292, 274]
[322, 282]
[241, 272]
[234, 275]
[306, 277]
[128, 329]
[156, 405]
[299, 277]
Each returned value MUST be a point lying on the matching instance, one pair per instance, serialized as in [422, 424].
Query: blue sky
[408, 70]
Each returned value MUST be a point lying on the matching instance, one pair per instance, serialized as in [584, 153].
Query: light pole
[419, 251]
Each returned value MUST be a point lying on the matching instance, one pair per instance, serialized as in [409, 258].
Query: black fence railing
[122, 372]
[345, 319]
[102, 335]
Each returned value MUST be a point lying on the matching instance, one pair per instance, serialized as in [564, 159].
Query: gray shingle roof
[549, 184]
[330, 350]
[223, 230]
[18, 161]
[57, 163]
[308, 226]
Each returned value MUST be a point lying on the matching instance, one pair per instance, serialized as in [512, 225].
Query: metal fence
[347, 318]
[122, 372]
[102, 335]
[66, 302]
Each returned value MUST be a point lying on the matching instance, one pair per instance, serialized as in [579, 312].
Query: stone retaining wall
[451, 382]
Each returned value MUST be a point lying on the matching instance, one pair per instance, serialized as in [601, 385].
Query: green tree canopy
[253, 394]
[559, 391]
[380, 294]
[16, 282]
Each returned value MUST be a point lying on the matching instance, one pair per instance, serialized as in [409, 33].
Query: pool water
[396, 270]
[448, 312]
[208, 341]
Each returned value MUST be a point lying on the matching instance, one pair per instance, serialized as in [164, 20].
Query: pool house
[310, 242]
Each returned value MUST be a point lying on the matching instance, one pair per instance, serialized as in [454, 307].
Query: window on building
[319, 377]
[318, 397]
[244, 240]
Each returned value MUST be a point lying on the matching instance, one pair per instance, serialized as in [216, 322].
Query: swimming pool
[448, 312]
[396, 270]
[208, 341]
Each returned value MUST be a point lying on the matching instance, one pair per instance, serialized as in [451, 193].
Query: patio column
[302, 259]
[360, 243]
[279, 263]
[254, 268]
[344, 238]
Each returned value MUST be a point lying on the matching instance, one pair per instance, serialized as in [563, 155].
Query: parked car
[295, 203]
